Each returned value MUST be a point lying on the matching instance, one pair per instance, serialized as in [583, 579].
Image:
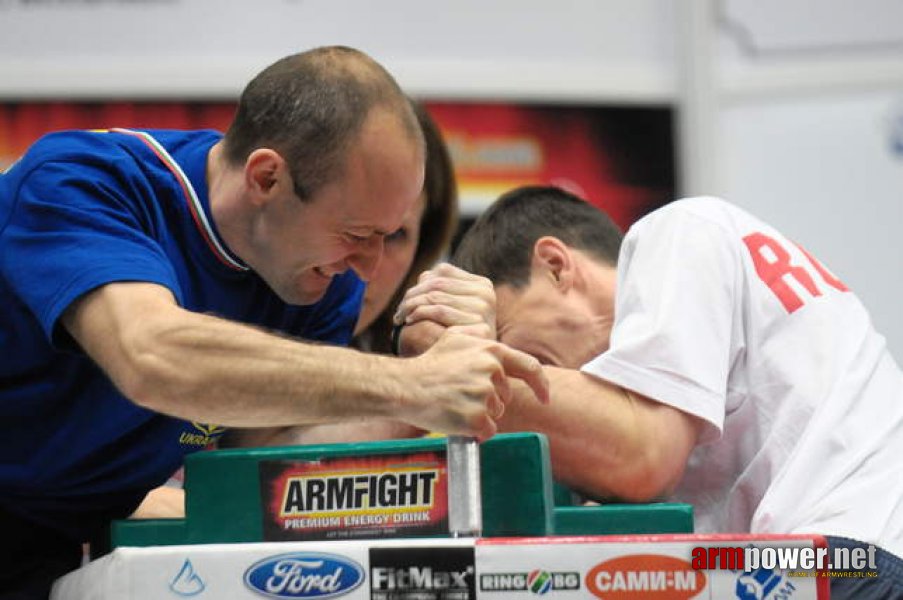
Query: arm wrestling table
[370, 521]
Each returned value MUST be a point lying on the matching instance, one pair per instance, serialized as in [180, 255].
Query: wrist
[395, 339]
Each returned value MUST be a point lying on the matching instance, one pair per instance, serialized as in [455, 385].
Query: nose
[365, 259]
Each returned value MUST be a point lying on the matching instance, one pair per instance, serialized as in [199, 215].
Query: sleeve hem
[80, 286]
[659, 386]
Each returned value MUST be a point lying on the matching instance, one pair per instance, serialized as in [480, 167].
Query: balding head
[310, 107]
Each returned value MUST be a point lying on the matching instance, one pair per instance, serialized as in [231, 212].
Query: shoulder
[690, 236]
[68, 153]
[107, 146]
[700, 209]
[694, 219]
[68, 145]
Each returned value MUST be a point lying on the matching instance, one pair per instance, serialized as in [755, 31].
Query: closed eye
[398, 235]
[357, 239]
[543, 359]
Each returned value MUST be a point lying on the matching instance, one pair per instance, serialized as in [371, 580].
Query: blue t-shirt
[79, 210]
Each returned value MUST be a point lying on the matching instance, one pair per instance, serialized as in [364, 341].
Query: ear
[264, 170]
[553, 259]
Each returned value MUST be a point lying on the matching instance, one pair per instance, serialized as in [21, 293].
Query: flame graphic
[187, 582]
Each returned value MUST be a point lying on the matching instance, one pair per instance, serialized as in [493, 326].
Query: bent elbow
[137, 382]
[643, 480]
[144, 375]
[645, 486]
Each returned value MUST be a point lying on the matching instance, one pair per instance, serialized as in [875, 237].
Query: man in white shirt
[707, 359]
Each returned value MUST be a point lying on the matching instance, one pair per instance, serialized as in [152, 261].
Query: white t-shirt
[719, 315]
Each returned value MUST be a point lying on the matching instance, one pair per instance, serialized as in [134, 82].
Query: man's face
[344, 224]
[562, 329]
[398, 254]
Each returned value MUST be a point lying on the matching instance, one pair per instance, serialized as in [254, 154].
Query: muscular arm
[199, 367]
[327, 433]
[604, 441]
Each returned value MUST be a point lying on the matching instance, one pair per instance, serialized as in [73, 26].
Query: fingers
[485, 428]
[449, 286]
[526, 368]
[452, 286]
[448, 316]
[463, 384]
[474, 303]
[502, 396]
[448, 270]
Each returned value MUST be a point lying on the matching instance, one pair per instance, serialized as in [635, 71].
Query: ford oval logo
[304, 575]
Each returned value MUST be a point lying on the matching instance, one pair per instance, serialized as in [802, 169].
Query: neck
[225, 200]
[597, 282]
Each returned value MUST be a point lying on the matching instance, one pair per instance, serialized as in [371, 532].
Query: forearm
[605, 442]
[239, 375]
[330, 433]
[203, 368]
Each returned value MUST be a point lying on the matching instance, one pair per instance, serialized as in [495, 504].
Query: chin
[301, 297]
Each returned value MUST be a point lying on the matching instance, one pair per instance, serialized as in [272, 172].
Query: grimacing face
[302, 245]
[558, 329]
[399, 249]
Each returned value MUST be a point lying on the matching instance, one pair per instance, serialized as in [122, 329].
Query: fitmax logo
[536, 581]
[418, 578]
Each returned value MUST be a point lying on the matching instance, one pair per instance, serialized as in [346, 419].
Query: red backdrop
[617, 158]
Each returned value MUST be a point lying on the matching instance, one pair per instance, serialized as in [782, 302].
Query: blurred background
[792, 109]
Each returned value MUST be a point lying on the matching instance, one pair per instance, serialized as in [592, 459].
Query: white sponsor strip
[589, 567]
[627, 567]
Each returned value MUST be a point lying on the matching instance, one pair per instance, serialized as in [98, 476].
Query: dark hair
[309, 108]
[500, 243]
[437, 224]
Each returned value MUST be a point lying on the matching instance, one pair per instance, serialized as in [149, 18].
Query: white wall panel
[564, 50]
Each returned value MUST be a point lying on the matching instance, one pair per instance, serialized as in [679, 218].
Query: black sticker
[422, 573]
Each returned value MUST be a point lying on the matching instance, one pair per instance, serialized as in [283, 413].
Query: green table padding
[518, 496]
[624, 519]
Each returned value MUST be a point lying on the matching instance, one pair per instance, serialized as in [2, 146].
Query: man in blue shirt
[143, 273]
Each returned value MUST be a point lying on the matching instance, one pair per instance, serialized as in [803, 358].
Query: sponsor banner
[423, 573]
[214, 571]
[406, 570]
[584, 568]
[626, 568]
[397, 495]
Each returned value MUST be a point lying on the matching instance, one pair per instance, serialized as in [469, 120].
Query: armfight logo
[422, 573]
[399, 495]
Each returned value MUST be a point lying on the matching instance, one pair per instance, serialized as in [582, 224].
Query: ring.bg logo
[536, 581]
